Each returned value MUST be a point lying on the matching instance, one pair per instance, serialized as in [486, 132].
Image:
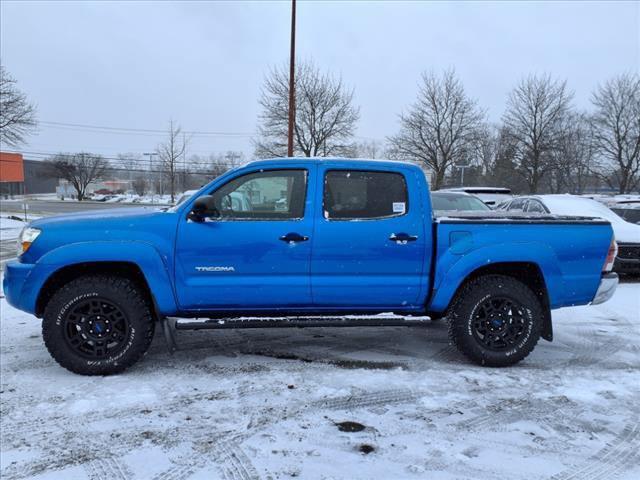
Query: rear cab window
[364, 195]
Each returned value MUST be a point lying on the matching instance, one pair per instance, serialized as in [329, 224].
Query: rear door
[369, 240]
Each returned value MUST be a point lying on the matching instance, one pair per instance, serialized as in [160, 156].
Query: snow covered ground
[269, 404]
[9, 228]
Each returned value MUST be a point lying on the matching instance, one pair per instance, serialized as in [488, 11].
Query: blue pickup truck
[308, 241]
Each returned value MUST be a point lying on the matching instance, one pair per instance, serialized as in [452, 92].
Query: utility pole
[292, 68]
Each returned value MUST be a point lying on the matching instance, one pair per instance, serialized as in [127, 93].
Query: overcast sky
[137, 64]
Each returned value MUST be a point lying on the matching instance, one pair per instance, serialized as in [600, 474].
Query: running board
[299, 322]
[170, 325]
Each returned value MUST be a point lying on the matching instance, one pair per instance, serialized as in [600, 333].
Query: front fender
[452, 270]
[151, 263]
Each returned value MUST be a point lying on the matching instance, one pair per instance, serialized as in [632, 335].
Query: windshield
[449, 202]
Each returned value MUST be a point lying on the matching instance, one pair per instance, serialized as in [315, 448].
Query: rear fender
[456, 271]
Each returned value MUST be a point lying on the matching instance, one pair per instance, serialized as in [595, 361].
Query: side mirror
[203, 207]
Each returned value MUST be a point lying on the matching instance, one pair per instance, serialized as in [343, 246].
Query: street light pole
[150, 155]
[292, 97]
[462, 169]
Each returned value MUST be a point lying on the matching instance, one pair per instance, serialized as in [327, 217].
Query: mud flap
[547, 327]
[169, 330]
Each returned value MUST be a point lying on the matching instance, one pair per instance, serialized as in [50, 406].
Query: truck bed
[568, 251]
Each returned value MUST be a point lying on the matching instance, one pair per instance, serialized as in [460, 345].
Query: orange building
[11, 167]
[11, 173]
[20, 176]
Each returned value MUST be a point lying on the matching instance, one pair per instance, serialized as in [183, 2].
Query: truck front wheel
[98, 325]
[495, 320]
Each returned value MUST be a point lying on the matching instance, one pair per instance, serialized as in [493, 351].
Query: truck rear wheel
[98, 325]
[495, 320]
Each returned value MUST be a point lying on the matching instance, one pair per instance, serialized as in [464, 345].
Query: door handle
[293, 237]
[402, 238]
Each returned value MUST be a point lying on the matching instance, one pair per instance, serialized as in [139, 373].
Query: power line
[142, 130]
[116, 163]
[156, 132]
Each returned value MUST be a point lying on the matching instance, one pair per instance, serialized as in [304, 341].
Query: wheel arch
[123, 258]
[71, 272]
[529, 273]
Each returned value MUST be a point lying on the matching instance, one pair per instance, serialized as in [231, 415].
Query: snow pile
[10, 228]
[273, 403]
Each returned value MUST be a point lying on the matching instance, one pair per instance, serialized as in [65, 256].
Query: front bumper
[607, 288]
[16, 285]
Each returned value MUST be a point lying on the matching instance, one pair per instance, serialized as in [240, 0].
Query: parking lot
[273, 403]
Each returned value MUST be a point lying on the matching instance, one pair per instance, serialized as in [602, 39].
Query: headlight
[26, 238]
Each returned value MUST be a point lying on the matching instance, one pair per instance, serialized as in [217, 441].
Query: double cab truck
[312, 242]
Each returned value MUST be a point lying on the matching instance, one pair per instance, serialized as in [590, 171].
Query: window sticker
[398, 207]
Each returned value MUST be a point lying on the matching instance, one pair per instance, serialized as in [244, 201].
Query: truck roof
[496, 190]
[360, 162]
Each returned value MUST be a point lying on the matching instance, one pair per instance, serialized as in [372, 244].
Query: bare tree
[573, 164]
[219, 163]
[325, 116]
[441, 128]
[616, 129]
[368, 149]
[17, 115]
[486, 148]
[534, 117]
[170, 153]
[501, 169]
[79, 169]
[140, 185]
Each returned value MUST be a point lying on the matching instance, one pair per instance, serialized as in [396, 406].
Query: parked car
[492, 196]
[185, 196]
[444, 202]
[626, 206]
[627, 234]
[629, 210]
[356, 238]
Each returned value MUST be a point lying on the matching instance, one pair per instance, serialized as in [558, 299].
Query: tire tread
[495, 283]
[130, 294]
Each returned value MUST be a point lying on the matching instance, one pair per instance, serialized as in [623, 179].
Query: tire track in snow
[238, 463]
[235, 462]
[620, 455]
[550, 412]
[351, 402]
[107, 468]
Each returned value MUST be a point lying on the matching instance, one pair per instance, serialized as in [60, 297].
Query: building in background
[11, 174]
[19, 176]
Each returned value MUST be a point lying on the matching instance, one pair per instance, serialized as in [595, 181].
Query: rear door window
[535, 206]
[362, 195]
[517, 205]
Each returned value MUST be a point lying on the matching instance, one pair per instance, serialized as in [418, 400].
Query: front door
[369, 242]
[255, 252]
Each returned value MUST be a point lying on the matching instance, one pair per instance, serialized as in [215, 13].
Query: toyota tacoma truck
[316, 242]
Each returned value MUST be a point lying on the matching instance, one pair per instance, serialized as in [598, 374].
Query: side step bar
[300, 322]
[170, 325]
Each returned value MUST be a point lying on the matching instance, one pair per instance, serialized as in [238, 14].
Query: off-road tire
[464, 308]
[120, 291]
